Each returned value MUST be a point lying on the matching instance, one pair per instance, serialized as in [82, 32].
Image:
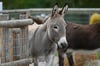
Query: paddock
[14, 32]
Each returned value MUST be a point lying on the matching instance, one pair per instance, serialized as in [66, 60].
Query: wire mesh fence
[14, 44]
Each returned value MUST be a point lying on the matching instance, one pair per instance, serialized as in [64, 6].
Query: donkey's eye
[55, 27]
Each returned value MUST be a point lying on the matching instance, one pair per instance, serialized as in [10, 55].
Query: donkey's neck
[47, 38]
[47, 45]
[43, 26]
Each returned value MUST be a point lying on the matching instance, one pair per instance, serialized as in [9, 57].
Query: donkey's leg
[49, 60]
[61, 58]
[61, 54]
[35, 60]
[70, 58]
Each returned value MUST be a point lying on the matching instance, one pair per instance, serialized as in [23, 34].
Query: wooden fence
[14, 42]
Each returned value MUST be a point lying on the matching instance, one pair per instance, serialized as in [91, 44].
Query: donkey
[61, 50]
[81, 38]
[48, 35]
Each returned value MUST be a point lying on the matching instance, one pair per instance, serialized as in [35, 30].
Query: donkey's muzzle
[62, 43]
[64, 46]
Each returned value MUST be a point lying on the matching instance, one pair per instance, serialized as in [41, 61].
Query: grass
[98, 55]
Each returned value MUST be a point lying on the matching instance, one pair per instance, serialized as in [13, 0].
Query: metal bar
[38, 10]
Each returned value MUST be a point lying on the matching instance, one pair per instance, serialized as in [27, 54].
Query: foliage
[20, 4]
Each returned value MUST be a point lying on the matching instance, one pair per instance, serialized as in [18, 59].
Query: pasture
[14, 39]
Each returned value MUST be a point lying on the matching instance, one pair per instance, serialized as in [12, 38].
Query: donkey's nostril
[63, 47]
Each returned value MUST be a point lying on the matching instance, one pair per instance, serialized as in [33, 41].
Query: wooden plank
[3, 49]
[10, 47]
[5, 45]
[22, 62]
[16, 23]
[2, 38]
[1, 42]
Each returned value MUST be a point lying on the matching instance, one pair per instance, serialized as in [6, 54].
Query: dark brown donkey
[81, 38]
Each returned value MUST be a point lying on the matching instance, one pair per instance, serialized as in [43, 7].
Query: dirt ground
[83, 60]
[79, 60]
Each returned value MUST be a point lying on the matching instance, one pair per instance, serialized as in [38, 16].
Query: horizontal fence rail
[38, 10]
[21, 62]
[16, 23]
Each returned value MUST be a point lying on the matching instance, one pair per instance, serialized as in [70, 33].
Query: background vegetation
[22, 4]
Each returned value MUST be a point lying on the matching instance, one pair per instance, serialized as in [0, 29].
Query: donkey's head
[56, 26]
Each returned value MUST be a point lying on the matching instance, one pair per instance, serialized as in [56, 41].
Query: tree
[21, 4]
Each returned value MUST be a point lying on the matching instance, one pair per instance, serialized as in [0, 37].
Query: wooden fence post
[2, 39]
[5, 41]
[11, 47]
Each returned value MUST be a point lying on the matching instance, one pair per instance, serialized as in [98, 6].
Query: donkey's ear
[64, 9]
[55, 10]
[36, 19]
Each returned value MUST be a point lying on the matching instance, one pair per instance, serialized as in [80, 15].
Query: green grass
[98, 55]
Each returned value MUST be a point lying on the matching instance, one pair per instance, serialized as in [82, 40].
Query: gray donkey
[48, 35]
